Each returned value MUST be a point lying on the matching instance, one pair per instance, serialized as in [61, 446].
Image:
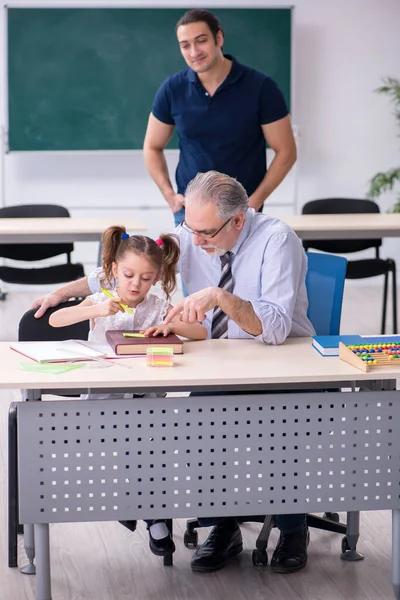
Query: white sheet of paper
[67, 350]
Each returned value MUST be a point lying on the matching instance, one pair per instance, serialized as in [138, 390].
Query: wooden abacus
[367, 356]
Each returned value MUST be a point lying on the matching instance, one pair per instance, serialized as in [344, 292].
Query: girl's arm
[194, 331]
[74, 314]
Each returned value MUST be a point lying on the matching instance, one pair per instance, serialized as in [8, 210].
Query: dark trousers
[285, 523]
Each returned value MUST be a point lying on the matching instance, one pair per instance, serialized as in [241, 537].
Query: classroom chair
[325, 285]
[325, 279]
[31, 329]
[356, 269]
[59, 273]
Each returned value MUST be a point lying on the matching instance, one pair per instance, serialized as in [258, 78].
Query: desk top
[349, 226]
[355, 226]
[213, 363]
[62, 230]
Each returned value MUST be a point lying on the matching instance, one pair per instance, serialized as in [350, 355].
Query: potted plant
[381, 182]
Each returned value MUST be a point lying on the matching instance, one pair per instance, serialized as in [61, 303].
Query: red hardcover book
[139, 345]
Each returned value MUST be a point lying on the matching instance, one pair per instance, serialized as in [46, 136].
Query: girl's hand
[158, 330]
[109, 307]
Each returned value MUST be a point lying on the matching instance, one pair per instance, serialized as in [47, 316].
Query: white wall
[342, 50]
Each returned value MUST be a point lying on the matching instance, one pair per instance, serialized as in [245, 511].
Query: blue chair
[325, 279]
[325, 285]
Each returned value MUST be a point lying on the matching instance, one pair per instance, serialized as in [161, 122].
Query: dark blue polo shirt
[221, 132]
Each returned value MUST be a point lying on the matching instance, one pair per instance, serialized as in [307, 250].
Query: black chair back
[33, 252]
[336, 206]
[32, 330]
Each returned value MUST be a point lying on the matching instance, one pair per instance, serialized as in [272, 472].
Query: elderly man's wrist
[219, 294]
[60, 295]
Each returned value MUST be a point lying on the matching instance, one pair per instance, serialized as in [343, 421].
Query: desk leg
[396, 552]
[29, 546]
[12, 487]
[349, 543]
[100, 255]
[43, 581]
[29, 536]
[168, 561]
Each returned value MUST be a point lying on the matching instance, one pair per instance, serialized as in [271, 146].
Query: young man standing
[224, 113]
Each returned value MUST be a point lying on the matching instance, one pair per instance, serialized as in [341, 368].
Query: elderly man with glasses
[244, 271]
[245, 275]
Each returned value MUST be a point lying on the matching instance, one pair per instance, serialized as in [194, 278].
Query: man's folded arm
[280, 281]
[269, 317]
[240, 311]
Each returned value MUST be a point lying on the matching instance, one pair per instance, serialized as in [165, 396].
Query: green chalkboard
[85, 79]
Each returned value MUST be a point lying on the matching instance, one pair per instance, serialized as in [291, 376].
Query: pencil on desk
[124, 306]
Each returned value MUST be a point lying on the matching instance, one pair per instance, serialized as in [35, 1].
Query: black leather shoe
[131, 525]
[291, 552]
[162, 546]
[224, 541]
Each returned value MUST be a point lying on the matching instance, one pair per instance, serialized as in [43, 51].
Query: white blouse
[151, 311]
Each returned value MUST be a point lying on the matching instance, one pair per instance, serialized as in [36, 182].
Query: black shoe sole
[283, 570]
[232, 552]
[163, 552]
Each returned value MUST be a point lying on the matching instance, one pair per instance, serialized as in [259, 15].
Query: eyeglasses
[207, 236]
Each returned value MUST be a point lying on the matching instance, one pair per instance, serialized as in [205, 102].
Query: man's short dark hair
[195, 15]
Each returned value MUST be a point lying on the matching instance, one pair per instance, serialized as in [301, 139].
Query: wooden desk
[33, 231]
[349, 226]
[207, 455]
[49, 230]
[21, 231]
[212, 364]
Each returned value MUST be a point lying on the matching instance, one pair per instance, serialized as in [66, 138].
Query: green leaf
[381, 182]
[384, 181]
[396, 206]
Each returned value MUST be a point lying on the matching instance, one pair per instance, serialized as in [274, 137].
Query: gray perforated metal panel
[208, 456]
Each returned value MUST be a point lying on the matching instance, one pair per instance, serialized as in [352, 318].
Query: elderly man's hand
[193, 308]
[50, 300]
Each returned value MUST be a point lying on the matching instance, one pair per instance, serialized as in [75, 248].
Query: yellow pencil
[124, 306]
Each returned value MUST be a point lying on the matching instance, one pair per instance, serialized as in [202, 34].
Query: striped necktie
[219, 327]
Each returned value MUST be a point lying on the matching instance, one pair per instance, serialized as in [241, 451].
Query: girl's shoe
[160, 539]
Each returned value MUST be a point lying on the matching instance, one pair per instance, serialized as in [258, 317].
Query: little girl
[131, 265]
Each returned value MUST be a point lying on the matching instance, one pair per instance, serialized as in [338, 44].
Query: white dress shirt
[269, 268]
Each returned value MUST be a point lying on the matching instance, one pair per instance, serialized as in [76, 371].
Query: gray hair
[227, 193]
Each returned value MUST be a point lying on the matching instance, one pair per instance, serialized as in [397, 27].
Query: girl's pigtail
[171, 253]
[112, 238]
